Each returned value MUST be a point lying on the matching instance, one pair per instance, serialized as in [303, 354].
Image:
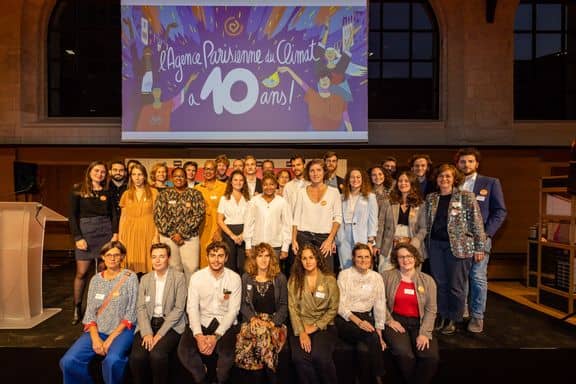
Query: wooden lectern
[21, 247]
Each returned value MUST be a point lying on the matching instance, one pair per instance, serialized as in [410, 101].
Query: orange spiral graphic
[232, 27]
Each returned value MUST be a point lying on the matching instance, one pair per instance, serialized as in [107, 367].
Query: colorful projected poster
[244, 71]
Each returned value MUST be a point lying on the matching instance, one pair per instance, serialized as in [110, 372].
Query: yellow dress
[137, 230]
[212, 197]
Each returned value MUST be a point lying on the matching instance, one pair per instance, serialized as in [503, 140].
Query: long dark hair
[298, 272]
[229, 188]
[86, 185]
[130, 191]
[413, 199]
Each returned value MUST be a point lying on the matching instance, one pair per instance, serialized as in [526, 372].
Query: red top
[406, 301]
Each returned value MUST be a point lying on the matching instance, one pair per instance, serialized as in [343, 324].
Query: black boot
[77, 314]
[440, 323]
[449, 328]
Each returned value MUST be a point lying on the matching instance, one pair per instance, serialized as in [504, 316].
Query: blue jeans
[479, 284]
[75, 362]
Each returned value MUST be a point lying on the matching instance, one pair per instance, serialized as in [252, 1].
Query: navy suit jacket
[490, 198]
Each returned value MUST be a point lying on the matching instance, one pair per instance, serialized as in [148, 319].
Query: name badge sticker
[147, 299]
[480, 198]
[367, 287]
[99, 296]
[408, 291]
[320, 295]
[248, 286]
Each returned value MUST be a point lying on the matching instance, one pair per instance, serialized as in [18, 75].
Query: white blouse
[317, 217]
[234, 212]
[362, 292]
[268, 222]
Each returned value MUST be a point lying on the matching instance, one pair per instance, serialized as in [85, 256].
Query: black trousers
[154, 366]
[417, 367]
[315, 239]
[318, 365]
[193, 360]
[368, 347]
[237, 252]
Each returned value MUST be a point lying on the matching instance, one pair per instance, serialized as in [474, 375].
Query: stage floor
[517, 337]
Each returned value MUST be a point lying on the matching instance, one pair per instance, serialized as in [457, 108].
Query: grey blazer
[387, 220]
[280, 298]
[173, 303]
[426, 293]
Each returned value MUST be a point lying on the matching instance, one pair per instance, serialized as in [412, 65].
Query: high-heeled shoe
[77, 314]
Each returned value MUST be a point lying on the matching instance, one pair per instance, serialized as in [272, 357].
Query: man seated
[214, 296]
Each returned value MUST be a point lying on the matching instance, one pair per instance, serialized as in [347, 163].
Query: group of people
[382, 232]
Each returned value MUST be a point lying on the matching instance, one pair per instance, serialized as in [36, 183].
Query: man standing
[331, 161]
[117, 184]
[490, 199]
[214, 297]
[267, 166]
[238, 165]
[421, 165]
[293, 186]
[191, 167]
[390, 164]
[254, 183]
[222, 164]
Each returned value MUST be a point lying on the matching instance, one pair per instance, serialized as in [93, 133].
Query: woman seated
[161, 320]
[362, 313]
[264, 310]
[313, 298]
[411, 311]
[108, 320]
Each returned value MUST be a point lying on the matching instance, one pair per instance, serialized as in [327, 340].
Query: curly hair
[366, 187]
[388, 179]
[413, 199]
[229, 188]
[251, 267]
[297, 273]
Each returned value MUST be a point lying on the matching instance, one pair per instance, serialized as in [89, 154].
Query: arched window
[84, 58]
[403, 60]
[545, 60]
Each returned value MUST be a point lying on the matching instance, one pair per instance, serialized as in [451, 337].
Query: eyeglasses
[407, 257]
[113, 255]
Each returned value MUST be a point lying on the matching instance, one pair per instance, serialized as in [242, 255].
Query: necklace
[262, 287]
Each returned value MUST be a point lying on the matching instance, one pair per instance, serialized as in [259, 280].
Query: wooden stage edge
[516, 291]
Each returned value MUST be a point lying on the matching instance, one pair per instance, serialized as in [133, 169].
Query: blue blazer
[364, 220]
[490, 199]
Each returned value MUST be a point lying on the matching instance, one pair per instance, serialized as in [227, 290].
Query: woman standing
[264, 310]
[93, 222]
[313, 299]
[269, 220]
[212, 190]
[398, 221]
[382, 183]
[317, 213]
[231, 216]
[178, 214]
[137, 228]
[359, 216]
[108, 321]
[161, 320]
[411, 302]
[362, 313]
[159, 177]
[283, 177]
[455, 239]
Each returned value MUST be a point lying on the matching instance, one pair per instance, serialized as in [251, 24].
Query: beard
[118, 178]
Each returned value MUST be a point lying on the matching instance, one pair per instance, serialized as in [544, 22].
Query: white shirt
[349, 214]
[469, 182]
[362, 292]
[212, 297]
[318, 217]
[291, 191]
[159, 295]
[251, 187]
[268, 222]
[234, 212]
